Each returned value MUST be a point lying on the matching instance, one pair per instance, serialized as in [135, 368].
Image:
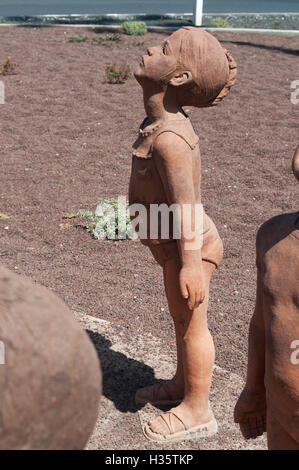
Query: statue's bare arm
[174, 162]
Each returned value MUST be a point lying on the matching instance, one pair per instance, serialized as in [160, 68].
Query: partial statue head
[193, 62]
[295, 164]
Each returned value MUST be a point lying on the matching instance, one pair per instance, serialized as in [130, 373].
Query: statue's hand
[192, 285]
[251, 413]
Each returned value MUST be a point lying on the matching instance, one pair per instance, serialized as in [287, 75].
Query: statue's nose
[152, 50]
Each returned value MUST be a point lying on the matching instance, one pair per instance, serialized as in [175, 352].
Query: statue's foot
[162, 393]
[251, 414]
[181, 423]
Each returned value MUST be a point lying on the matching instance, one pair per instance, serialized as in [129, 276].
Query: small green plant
[116, 74]
[134, 28]
[113, 37]
[101, 42]
[107, 39]
[136, 43]
[219, 22]
[77, 39]
[111, 220]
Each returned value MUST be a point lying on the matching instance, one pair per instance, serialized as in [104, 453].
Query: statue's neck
[158, 107]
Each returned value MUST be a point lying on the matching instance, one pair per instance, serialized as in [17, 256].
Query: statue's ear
[181, 78]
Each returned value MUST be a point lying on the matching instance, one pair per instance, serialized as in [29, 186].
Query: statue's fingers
[252, 427]
[198, 298]
[246, 429]
[192, 298]
[184, 290]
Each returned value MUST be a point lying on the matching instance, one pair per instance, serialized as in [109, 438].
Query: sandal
[151, 395]
[177, 430]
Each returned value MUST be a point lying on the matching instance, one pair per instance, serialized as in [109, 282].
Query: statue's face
[160, 61]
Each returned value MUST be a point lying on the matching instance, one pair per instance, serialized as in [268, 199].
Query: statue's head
[193, 63]
[295, 164]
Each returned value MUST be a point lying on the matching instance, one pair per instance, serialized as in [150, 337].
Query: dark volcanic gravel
[65, 141]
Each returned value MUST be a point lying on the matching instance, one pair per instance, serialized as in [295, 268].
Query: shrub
[107, 219]
[116, 74]
[134, 28]
[220, 23]
[9, 68]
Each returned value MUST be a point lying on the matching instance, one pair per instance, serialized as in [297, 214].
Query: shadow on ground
[265, 46]
[122, 376]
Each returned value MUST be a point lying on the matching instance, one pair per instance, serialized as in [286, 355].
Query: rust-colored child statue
[190, 68]
[270, 399]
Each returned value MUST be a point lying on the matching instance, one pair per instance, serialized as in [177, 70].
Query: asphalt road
[99, 7]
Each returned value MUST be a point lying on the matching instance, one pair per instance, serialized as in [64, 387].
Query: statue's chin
[138, 71]
[138, 75]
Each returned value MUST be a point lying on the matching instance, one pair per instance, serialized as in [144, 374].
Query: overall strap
[192, 142]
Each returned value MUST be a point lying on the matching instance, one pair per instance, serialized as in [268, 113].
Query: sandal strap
[180, 419]
[167, 422]
[168, 419]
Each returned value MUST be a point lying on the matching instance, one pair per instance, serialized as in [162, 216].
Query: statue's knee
[181, 320]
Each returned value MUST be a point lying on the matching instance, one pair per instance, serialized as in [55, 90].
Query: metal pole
[197, 17]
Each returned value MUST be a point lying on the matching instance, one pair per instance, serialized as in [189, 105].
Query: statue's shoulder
[275, 233]
[183, 129]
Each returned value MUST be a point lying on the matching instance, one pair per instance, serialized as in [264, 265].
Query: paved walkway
[128, 363]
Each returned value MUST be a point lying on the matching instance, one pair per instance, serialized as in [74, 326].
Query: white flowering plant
[111, 220]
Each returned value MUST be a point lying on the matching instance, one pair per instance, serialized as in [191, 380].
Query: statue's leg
[196, 359]
[250, 410]
[277, 436]
[166, 392]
